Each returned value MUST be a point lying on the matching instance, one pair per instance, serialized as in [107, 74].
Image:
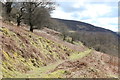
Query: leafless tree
[36, 13]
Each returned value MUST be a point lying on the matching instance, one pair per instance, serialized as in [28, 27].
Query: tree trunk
[64, 37]
[72, 41]
[19, 18]
[31, 28]
[30, 24]
[18, 22]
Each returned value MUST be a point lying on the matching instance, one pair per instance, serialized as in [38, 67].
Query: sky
[101, 13]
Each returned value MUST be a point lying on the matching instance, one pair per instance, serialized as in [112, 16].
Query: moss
[11, 66]
[77, 55]
[113, 76]
[15, 54]
[22, 45]
[6, 55]
[57, 74]
[4, 30]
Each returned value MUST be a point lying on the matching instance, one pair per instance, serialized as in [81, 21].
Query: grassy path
[43, 72]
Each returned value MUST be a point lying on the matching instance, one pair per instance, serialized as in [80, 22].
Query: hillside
[78, 25]
[43, 55]
[100, 39]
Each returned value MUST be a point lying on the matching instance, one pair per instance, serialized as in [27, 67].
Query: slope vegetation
[34, 55]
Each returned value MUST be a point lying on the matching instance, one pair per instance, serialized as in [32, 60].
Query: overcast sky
[99, 13]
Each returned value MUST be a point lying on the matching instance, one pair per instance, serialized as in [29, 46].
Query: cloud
[103, 14]
[61, 14]
[108, 23]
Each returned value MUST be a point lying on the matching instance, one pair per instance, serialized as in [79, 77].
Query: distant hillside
[82, 26]
[101, 39]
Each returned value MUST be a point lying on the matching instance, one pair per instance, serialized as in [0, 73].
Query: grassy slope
[24, 51]
[26, 54]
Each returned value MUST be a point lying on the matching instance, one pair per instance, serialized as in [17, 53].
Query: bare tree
[18, 12]
[8, 8]
[36, 13]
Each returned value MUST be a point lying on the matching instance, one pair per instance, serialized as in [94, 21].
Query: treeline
[100, 41]
[34, 13]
